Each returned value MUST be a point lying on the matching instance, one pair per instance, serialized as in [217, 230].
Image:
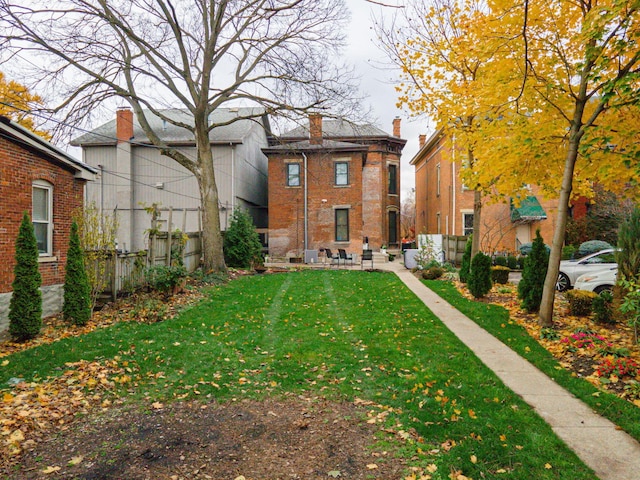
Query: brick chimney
[421, 140]
[396, 127]
[315, 129]
[124, 124]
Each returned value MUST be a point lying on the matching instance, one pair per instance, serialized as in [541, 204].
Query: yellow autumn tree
[555, 102]
[16, 103]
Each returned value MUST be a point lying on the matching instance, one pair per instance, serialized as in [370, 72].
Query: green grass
[495, 320]
[342, 335]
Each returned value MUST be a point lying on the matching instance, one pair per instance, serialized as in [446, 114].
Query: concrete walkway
[610, 452]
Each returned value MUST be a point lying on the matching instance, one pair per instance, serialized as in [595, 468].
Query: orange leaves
[29, 409]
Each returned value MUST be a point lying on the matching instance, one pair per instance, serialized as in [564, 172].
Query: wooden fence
[126, 271]
[453, 248]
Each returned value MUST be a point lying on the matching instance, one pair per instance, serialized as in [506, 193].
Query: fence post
[169, 237]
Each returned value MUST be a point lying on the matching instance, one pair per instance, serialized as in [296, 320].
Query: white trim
[48, 187]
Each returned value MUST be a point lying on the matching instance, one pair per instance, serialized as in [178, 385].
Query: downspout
[233, 177]
[306, 201]
[453, 183]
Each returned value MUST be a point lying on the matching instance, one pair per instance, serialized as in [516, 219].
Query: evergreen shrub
[77, 292]
[512, 262]
[479, 283]
[533, 275]
[580, 302]
[500, 261]
[432, 273]
[603, 308]
[25, 306]
[242, 247]
[500, 274]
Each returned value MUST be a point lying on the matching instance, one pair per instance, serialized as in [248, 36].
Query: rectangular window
[341, 173]
[438, 180]
[393, 227]
[293, 174]
[438, 223]
[467, 223]
[41, 217]
[342, 224]
[393, 179]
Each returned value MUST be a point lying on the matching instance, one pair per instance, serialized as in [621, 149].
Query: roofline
[314, 148]
[83, 170]
[433, 140]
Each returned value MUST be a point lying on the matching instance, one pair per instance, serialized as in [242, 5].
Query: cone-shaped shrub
[535, 270]
[242, 247]
[77, 293]
[628, 256]
[465, 267]
[479, 283]
[25, 307]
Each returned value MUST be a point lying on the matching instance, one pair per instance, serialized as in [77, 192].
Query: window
[293, 174]
[467, 223]
[438, 180]
[41, 216]
[393, 227]
[393, 179]
[341, 173]
[342, 224]
[438, 223]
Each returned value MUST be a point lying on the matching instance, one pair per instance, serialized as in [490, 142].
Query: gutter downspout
[306, 206]
[453, 182]
[233, 177]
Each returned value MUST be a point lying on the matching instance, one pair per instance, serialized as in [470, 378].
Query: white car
[598, 282]
[570, 270]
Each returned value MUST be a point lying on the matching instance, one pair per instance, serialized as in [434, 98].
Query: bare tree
[193, 54]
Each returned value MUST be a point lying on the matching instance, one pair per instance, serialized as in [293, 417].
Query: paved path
[611, 453]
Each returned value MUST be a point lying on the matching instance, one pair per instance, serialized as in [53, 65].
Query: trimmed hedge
[580, 302]
[500, 274]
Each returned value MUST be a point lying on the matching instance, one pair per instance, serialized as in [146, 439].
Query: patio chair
[344, 256]
[331, 257]
[367, 256]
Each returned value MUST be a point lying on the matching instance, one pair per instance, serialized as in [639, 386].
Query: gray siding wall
[153, 178]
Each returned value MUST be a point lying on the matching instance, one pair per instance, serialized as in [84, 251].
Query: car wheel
[563, 282]
[603, 288]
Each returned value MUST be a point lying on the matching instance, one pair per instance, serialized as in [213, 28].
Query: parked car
[570, 270]
[598, 282]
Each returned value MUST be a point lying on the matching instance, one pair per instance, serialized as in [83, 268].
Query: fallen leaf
[334, 473]
[548, 466]
[157, 405]
[76, 460]
[49, 470]
[372, 466]
[474, 459]
[4, 363]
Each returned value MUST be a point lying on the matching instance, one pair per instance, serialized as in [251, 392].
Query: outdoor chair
[344, 256]
[331, 257]
[367, 256]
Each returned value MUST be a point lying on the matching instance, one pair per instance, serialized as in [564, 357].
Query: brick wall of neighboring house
[286, 203]
[19, 167]
[438, 210]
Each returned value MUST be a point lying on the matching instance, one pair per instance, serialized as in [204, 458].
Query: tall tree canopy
[557, 100]
[16, 103]
[193, 54]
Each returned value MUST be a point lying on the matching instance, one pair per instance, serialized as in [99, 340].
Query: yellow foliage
[16, 102]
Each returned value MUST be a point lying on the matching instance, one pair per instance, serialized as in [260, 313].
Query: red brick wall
[286, 204]
[19, 167]
[498, 233]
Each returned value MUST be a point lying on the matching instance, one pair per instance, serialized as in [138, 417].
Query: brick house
[39, 178]
[445, 206]
[334, 184]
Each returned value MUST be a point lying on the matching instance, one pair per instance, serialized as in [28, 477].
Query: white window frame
[438, 180]
[46, 186]
[344, 175]
[465, 230]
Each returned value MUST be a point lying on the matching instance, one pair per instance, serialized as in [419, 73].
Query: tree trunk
[213, 256]
[549, 291]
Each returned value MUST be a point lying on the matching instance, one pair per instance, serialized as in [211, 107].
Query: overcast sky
[377, 82]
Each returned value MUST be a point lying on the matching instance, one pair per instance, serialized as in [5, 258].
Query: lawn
[351, 336]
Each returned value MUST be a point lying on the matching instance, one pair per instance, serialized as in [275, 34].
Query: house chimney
[396, 127]
[124, 124]
[421, 140]
[315, 129]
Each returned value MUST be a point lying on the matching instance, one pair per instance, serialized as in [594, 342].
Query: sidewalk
[610, 452]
